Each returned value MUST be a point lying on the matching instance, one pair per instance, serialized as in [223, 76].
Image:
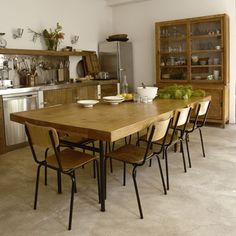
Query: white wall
[137, 20]
[90, 19]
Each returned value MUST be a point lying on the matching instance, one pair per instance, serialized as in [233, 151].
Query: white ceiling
[121, 2]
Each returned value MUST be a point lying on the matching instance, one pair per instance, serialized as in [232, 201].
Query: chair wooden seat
[168, 139]
[129, 153]
[189, 127]
[70, 159]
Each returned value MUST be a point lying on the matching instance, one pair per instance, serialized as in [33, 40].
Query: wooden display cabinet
[195, 51]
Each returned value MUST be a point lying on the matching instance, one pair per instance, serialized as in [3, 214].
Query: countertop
[16, 90]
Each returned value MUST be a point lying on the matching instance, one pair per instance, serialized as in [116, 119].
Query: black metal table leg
[102, 174]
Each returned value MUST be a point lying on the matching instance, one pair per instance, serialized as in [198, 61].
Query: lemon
[129, 96]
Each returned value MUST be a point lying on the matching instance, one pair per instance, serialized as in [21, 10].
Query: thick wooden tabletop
[104, 121]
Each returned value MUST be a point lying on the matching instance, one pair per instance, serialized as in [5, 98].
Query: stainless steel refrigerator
[117, 58]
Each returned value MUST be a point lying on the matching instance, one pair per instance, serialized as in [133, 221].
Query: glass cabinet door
[173, 52]
[206, 50]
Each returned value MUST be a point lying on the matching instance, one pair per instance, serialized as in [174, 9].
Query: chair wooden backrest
[40, 135]
[161, 128]
[44, 137]
[181, 116]
[156, 131]
[201, 111]
[203, 107]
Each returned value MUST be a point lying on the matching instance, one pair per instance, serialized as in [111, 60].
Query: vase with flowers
[51, 37]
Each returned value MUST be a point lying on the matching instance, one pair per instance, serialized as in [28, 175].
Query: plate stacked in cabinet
[195, 51]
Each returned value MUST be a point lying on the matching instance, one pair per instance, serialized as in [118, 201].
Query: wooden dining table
[103, 122]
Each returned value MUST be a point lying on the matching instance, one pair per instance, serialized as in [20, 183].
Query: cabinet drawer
[59, 96]
[87, 92]
[108, 89]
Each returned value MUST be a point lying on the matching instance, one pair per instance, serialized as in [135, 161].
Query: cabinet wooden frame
[219, 89]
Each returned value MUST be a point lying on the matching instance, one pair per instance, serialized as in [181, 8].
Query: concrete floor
[200, 202]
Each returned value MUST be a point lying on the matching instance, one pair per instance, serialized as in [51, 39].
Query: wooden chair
[180, 119]
[77, 141]
[198, 122]
[137, 156]
[65, 161]
[71, 141]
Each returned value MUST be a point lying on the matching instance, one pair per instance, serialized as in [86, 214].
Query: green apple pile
[180, 92]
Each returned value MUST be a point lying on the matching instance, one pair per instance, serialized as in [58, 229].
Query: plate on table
[114, 100]
[87, 103]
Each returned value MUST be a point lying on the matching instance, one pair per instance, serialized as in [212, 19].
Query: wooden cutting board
[91, 63]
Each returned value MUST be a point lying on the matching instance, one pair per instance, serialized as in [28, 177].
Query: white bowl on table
[149, 92]
[87, 103]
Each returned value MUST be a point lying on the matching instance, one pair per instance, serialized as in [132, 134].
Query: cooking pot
[103, 75]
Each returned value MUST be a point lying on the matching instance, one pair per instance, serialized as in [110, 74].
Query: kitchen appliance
[14, 132]
[103, 75]
[116, 58]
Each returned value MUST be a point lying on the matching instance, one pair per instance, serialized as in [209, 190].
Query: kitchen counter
[15, 90]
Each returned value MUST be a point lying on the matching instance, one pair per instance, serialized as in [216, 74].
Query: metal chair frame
[69, 172]
[197, 124]
[166, 146]
[146, 157]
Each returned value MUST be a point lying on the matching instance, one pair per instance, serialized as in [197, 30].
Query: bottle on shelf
[124, 85]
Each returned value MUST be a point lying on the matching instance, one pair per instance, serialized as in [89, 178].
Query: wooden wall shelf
[13, 51]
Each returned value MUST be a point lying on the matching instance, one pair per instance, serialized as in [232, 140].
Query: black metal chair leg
[126, 141]
[94, 170]
[59, 182]
[98, 181]
[167, 171]
[71, 201]
[113, 146]
[163, 154]
[75, 181]
[130, 139]
[45, 168]
[175, 147]
[111, 166]
[37, 187]
[137, 193]
[203, 150]
[93, 145]
[150, 162]
[45, 175]
[161, 173]
[124, 174]
[105, 177]
[182, 148]
[187, 147]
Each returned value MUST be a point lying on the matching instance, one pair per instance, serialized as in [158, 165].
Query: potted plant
[51, 37]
